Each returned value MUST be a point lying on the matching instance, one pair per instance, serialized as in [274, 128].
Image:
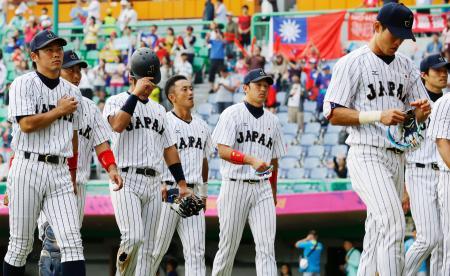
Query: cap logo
[151, 70]
[73, 56]
[441, 59]
[262, 72]
[49, 34]
[408, 24]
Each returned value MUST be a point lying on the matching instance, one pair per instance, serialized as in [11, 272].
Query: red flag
[240, 47]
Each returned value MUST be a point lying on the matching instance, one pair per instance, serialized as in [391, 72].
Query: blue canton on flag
[291, 30]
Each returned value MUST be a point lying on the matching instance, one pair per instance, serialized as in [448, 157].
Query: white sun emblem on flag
[289, 31]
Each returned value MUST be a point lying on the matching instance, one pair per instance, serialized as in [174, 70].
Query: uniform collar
[433, 96]
[255, 111]
[50, 83]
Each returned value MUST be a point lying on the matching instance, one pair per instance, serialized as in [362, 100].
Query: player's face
[257, 92]
[183, 95]
[387, 42]
[72, 74]
[437, 77]
[49, 58]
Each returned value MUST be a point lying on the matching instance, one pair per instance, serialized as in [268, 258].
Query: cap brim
[62, 41]
[82, 63]
[402, 33]
[440, 65]
[269, 79]
[156, 78]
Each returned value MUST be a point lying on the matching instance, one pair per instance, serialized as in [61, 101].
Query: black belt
[395, 150]
[434, 166]
[143, 171]
[47, 158]
[170, 183]
[250, 181]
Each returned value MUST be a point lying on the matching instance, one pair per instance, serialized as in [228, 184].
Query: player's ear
[34, 56]
[377, 27]
[171, 97]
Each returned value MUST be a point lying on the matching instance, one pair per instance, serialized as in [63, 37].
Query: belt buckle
[147, 172]
[46, 158]
[435, 166]
[253, 181]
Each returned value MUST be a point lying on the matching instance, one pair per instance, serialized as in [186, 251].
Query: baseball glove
[410, 132]
[187, 206]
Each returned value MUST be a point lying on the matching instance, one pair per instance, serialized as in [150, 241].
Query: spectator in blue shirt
[216, 54]
[150, 38]
[322, 82]
[79, 17]
[423, 267]
[312, 251]
[434, 47]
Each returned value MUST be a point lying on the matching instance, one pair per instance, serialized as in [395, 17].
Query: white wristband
[203, 189]
[368, 117]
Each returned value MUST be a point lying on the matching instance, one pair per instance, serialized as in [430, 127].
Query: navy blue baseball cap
[256, 75]
[398, 19]
[44, 38]
[434, 61]
[72, 59]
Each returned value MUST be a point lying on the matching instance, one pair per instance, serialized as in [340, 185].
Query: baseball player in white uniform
[422, 178]
[249, 142]
[371, 88]
[141, 139]
[93, 136]
[194, 146]
[439, 131]
[46, 115]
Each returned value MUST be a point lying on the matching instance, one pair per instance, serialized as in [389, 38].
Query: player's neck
[48, 73]
[254, 103]
[432, 89]
[183, 113]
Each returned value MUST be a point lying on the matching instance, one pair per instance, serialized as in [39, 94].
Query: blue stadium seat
[288, 162]
[281, 97]
[283, 117]
[290, 139]
[213, 119]
[308, 139]
[205, 109]
[218, 175]
[312, 128]
[294, 151]
[311, 163]
[339, 150]
[295, 173]
[334, 129]
[290, 128]
[309, 106]
[214, 164]
[238, 97]
[212, 174]
[282, 108]
[331, 139]
[316, 151]
[308, 117]
[212, 98]
[318, 173]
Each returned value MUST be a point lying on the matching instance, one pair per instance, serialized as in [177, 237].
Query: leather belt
[170, 183]
[395, 150]
[47, 158]
[434, 166]
[144, 171]
[250, 181]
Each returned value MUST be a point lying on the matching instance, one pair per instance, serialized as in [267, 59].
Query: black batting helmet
[145, 63]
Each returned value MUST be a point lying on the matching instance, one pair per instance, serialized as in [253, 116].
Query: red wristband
[106, 159]
[273, 179]
[237, 157]
[73, 162]
[10, 160]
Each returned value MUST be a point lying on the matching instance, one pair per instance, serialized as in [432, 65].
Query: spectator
[271, 100]
[244, 22]
[280, 71]
[18, 23]
[170, 40]
[322, 82]
[166, 72]
[79, 17]
[109, 20]
[216, 54]
[150, 39]
[221, 12]
[17, 56]
[91, 34]
[93, 9]
[423, 267]
[295, 102]
[208, 14]
[266, 7]
[127, 16]
[101, 105]
[188, 43]
[2, 15]
[171, 268]
[446, 39]
[285, 270]
[339, 166]
[256, 60]
[434, 47]
[117, 81]
[126, 41]
[224, 89]
[423, 3]
[241, 65]
[312, 251]
[231, 33]
[3, 74]
[4, 168]
[86, 87]
[184, 67]
[45, 19]
[369, 3]
[31, 29]
[351, 259]
[160, 49]
[99, 73]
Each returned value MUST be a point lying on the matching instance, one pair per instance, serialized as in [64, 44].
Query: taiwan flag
[291, 36]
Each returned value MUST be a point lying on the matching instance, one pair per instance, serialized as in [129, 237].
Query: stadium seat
[205, 109]
[288, 162]
[308, 139]
[213, 119]
[10, 66]
[312, 128]
[92, 57]
[294, 151]
[214, 164]
[283, 117]
[282, 108]
[238, 97]
[212, 98]
[204, 52]
[311, 163]
[290, 139]
[198, 64]
[308, 117]
[3, 114]
[318, 173]
[290, 128]
[334, 129]
[339, 150]
[316, 151]
[295, 173]
[281, 97]
[309, 106]
[331, 139]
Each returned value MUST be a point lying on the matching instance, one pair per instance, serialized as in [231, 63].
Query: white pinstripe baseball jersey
[29, 96]
[440, 124]
[193, 144]
[95, 132]
[258, 137]
[148, 129]
[364, 82]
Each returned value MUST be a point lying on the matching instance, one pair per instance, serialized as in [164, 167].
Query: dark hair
[93, 18]
[154, 26]
[171, 83]
[223, 68]
[190, 28]
[45, 9]
[313, 232]
[289, 268]
[245, 7]
[171, 29]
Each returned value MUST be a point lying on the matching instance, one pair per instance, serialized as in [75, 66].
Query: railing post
[55, 16]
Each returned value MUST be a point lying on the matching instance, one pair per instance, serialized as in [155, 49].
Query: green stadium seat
[203, 52]
[198, 64]
[11, 76]
[3, 114]
[339, 186]
[92, 57]
[10, 66]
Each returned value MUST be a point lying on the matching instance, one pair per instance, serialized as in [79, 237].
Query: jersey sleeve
[112, 106]
[168, 137]
[208, 148]
[343, 85]
[225, 131]
[439, 127]
[279, 149]
[416, 90]
[101, 129]
[78, 121]
[22, 102]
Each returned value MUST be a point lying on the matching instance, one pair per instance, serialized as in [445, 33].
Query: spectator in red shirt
[31, 29]
[244, 22]
[256, 60]
[370, 3]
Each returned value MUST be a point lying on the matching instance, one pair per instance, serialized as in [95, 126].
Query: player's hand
[205, 200]
[259, 165]
[6, 199]
[164, 192]
[115, 178]
[144, 87]
[183, 190]
[73, 177]
[67, 105]
[423, 105]
[405, 202]
[392, 117]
